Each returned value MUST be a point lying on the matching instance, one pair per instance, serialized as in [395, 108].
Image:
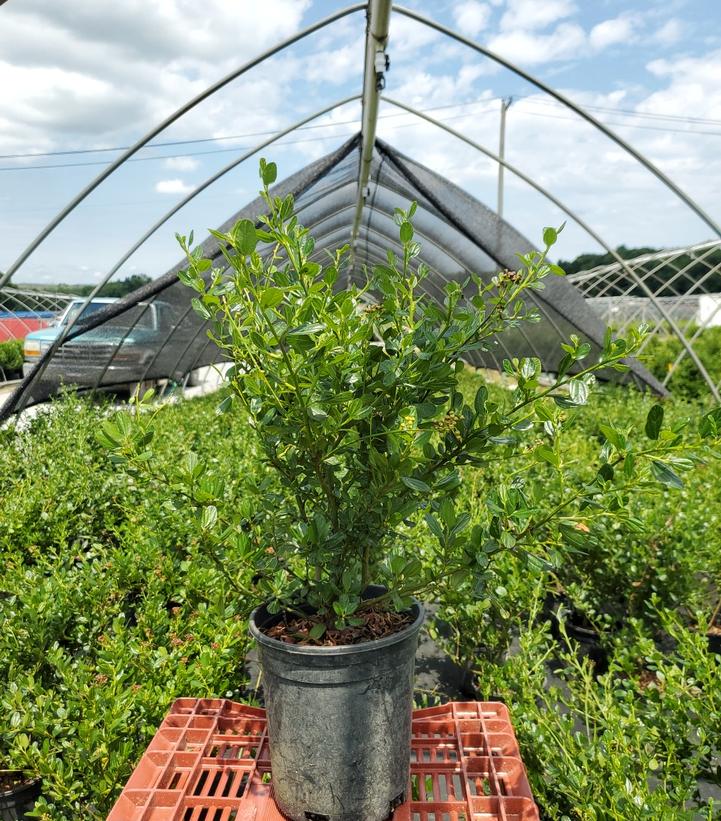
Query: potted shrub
[354, 393]
[11, 359]
[18, 793]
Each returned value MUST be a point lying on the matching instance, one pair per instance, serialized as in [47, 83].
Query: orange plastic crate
[209, 761]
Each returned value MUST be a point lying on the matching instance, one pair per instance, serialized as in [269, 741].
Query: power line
[530, 100]
[240, 147]
[218, 139]
[630, 125]
[630, 112]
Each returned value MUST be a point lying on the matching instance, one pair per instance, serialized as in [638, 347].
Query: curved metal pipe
[449, 32]
[20, 319]
[699, 331]
[53, 224]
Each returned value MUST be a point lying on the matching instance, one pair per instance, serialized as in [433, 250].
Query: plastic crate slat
[210, 760]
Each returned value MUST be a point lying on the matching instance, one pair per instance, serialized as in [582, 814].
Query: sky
[81, 79]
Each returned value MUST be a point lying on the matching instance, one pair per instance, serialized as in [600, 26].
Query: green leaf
[447, 512]
[434, 526]
[629, 465]
[317, 413]
[479, 403]
[209, 517]
[550, 235]
[654, 421]
[546, 454]
[710, 424]
[268, 172]
[110, 433]
[406, 232]
[529, 366]
[415, 484]
[244, 237]
[449, 481]
[316, 631]
[226, 404]
[664, 474]
[578, 391]
[615, 437]
[199, 308]
[307, 328]
[270, 297]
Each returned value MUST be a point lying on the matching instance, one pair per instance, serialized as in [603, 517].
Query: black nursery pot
[16, 802]
[576, 627]
[339, 723]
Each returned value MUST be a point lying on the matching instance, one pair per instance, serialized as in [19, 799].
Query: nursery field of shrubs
[111, 607]
[685, 380]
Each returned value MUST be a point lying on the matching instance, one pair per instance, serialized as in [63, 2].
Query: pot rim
[340, 649]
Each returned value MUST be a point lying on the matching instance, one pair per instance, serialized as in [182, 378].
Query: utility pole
[505, 105]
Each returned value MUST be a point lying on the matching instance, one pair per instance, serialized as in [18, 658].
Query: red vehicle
[18, 324]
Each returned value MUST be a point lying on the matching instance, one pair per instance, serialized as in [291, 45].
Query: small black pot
[20, 800]
[578, 628]
[714, 643]
[339, 723]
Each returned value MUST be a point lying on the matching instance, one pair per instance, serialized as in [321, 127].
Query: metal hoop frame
[378, 12]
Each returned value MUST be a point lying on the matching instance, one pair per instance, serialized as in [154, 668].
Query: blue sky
[78, 75]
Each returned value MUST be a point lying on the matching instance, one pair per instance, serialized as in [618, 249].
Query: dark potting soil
[11, 780]
[376, 625]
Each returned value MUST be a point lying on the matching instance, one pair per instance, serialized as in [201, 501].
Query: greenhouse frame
[349, 197]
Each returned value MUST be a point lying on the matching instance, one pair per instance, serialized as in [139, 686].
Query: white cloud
[566, 41]
[336, 65]
[611, 32]
[181, 163]
[621, 200]
[80, 74]
[407, 36]
[670, 32]
[176, 186]
[529, 15]
[471, 17]
[694, 86]
[92, 73]
[42, 104]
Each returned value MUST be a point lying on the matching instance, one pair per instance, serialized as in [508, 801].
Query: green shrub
[660, 354]
[638, 742]
[108, 612]
[111, 608]
[11, 358]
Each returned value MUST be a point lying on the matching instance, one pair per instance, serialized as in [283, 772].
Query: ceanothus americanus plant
[353, 391]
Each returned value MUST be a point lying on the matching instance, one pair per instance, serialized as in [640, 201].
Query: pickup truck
[130, 341]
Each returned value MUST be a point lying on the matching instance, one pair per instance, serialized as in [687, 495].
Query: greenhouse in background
[349, 197]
